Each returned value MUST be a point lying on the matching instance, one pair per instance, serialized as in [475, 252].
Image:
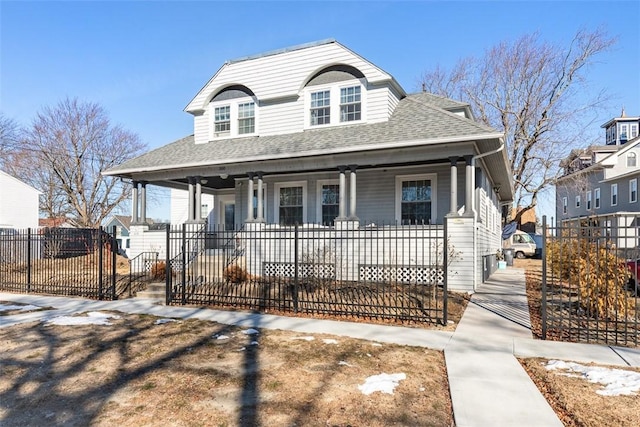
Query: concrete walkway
[488, 385]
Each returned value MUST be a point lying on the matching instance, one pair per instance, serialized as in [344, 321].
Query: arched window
[234, 112]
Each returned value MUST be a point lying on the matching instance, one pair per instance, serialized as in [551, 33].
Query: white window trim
[233, 117]
[565, 205]
[612, 194]
[588, 201]
[334, 99]
[578, 201]
[319, 185]
[276, 198]
[596, 197]
[434, 193]
[633, 182]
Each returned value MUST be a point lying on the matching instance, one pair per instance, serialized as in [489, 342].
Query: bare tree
[534, 92]
[62, 154]
[9, 132]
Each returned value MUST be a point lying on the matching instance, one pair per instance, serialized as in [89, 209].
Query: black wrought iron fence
[589, 280]
[377, 271]
[61, 261]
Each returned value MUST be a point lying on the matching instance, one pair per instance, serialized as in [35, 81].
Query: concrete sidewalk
[488, 385]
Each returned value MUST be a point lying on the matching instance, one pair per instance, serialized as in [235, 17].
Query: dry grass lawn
[573, 399]
[136, 372]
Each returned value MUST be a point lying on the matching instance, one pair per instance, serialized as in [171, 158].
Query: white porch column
[468, 195]
[453, 202]
[134, 202]
[352, 193]
[143, 202]
[341, 196]
[250, 198]
[190, 215]
[260, 215]
[197, 213]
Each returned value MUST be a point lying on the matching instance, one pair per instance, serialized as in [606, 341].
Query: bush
[159, 271]
[600, 274]
[235, 274]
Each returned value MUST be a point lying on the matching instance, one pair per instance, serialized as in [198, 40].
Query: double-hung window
[330, 203]
[246, 118]
[596, 196]
[633, 190]
[631, 160]
[565, 203]
[350, 104]
[320, 108]
[578, 201]
[415, 203]
[588, 200]
[614, 194]
[290, 205]
[222, 120]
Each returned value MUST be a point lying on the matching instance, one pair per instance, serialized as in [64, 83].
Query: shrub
[235, 274]
[600, 274]
[159, 270]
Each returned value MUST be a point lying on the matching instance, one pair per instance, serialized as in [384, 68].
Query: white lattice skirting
[419, 275]
[287, 269]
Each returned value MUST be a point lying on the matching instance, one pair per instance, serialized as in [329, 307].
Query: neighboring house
[121, 224]
[19, 204]
[600, 183]
[59, 222]
[317, 134]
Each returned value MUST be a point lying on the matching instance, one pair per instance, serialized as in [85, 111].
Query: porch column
[453, 201]
[352, 193]
[341, 196]
[197, 213]
[134, 202]
[250, 197]
[468, 195]
[260, 215]
[190, 215]
[143, 202]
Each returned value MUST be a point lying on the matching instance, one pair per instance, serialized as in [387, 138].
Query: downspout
[473, 208]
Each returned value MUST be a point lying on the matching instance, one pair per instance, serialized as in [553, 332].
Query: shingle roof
[418, 117]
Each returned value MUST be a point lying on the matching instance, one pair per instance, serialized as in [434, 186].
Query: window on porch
[330, 203]
[290, 207]
[415, 199]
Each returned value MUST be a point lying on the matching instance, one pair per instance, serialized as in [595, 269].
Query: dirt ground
[574, 399]
[136, 372]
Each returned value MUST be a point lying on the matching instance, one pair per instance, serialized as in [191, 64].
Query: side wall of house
[180, 206]
[19, 206]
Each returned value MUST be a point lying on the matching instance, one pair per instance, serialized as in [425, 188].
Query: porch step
[155, 290]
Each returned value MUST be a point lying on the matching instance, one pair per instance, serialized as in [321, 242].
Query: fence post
[28, 259]
[114, 252]
[543, 305]
[184, 264]
[167, 266]
[295, 270]
[445, 260]
[100, 249]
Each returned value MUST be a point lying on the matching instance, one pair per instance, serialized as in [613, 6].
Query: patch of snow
[385, 383]
[309, 338]
[376, 344]
[243, 349]
[343, 363]
[221, 337]
[616, 382]
[422, 389]
[92, 318]
[251, 331]
[163, 321]
[253, 343]
[329, 341]
[6, 307]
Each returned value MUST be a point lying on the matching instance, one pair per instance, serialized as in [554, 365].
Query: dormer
[314, 86]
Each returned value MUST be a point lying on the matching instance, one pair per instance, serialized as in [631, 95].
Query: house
[600, 183]
[316, 134]
[19, 204]
[58, 222]
[121, 224]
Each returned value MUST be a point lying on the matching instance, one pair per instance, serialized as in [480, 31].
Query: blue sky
[145, 60]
